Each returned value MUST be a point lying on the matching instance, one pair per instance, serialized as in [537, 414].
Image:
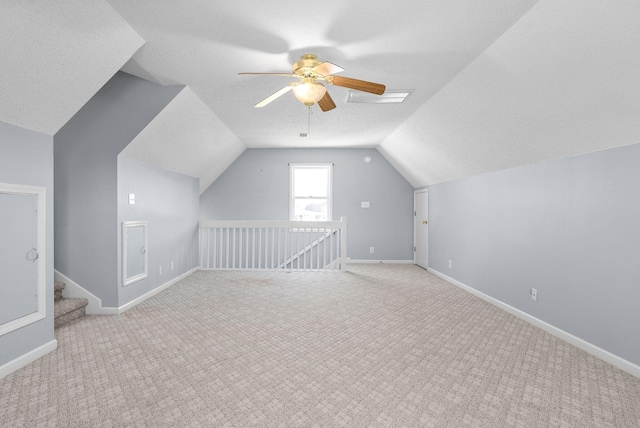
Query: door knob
[33, 254]
[424, 221]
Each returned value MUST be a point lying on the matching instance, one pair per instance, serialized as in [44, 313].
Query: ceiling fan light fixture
[309, 92]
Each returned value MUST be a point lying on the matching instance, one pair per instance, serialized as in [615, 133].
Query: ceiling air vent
[389, 96]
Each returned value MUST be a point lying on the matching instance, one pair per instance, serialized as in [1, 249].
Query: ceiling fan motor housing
[304, 66]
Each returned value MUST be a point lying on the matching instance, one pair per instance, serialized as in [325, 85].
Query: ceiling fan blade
[360, 85]
[327, 68]
[271, 74]
[275, 95]
[326, 102]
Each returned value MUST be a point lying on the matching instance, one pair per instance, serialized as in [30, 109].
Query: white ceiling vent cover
[389, 96]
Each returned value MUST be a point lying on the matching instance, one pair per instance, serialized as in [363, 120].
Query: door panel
[421, 228]
[18, 256]
[134, 251]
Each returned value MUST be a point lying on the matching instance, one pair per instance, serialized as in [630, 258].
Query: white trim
[217, 240]
[142, 275]
[74, 290]
[15, 365]
[278, 224]
[122, 309]
[41, 254]
[415, 221]
[592, 349]
[389, 262]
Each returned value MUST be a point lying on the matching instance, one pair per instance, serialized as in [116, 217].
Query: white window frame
[329, 198]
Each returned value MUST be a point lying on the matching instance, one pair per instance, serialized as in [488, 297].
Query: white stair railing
[272, 245]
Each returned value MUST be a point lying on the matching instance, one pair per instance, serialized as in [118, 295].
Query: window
[310, 191]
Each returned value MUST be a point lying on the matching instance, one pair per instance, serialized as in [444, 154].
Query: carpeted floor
[379, 346]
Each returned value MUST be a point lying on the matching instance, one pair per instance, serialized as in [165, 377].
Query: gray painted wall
[26, 157]
[86, 151]
[256, 187]
[169, 203]
[569, 228]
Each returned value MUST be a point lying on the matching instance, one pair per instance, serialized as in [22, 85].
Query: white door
[421, 228]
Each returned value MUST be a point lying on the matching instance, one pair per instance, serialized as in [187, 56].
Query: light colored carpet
[379, 346]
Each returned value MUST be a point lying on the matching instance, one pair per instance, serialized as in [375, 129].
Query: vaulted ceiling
[495, 83]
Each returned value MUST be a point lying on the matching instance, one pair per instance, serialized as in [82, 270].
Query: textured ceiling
[405, 45]
[54, 56]
[186, 120]
[496, 83]
[563, 81]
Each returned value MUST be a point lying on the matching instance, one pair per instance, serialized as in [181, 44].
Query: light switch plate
[132, 198]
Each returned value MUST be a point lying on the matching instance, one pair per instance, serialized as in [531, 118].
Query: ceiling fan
[308, 90]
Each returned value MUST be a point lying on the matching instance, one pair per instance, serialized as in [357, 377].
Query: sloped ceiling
[496, 83]
[186, 122]
[55, 56]
[405, 45]
[561, 82]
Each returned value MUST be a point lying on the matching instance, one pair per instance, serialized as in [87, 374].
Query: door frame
[41, 313]
[415, 225]
[126, 279]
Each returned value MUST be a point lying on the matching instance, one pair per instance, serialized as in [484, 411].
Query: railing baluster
[253, 248]
[285, 251]
[318, 252]
[246, 248]
[240, 247]
[211, 251]
[297, 246]
[279, 245]
[218, 238]
[322, 258]
[200, 247]
[331, 249]
[273, 240]
[259, 248]
[266, 246]
[228, 245]
[201, 243]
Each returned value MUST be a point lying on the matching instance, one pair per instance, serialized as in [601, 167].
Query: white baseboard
[73, 289]
[389, 262]
[155, 291]
[592, 349]
[28, 358]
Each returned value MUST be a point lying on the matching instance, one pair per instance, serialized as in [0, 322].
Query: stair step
[57, 290]
[66, 310]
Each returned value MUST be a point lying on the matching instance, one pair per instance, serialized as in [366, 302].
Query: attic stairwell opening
[66, 309]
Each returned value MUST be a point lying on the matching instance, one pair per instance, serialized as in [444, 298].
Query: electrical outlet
[171, 265]
[534, 294]
[160, 270]
[371, 250]
[449, 264]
